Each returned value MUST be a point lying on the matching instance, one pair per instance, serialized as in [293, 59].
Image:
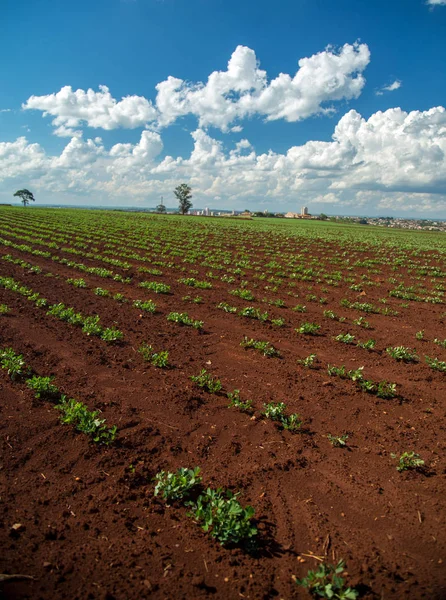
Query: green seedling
[236, 402]
[77, 414]
[308, 328]
[177, 486]
[368, 345]
[13, 363]
[91, 326]
[266, 348]
[276, 412]
[157, 359]
[192, 282]
[43, 387]
[184, 319]
[309, 361]
[119, 297]
[300, 308]
[244, 294]
[326, 582]
[408, 460]
[441, 343]
[145, 305]
[338, 441]
[403, 354]
[280, 322]
[79, 283]
[154, 286]
[111, 335]
[345, 338]
[227, 307]
[362, 323]
[436, 364]
[101, 292]
[207, 382]
[223, 517]
[4, 310]
[253, 313]
[194, 300]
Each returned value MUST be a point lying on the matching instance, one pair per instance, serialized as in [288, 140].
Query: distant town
[392, 222]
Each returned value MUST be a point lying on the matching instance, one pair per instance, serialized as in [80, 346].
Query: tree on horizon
[183, 192]
[25, 196]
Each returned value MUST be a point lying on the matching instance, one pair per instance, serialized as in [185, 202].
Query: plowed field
[80, 519]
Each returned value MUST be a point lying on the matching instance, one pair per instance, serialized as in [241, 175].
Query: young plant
[91, 326]
[101, 292]
[345, 338]
[386, 390]
[111, 335]
[157, 359]
[329, 314]
[244, 294]
[79, 283]
[145, 305]
[4, 310]
[227, 307]
[280, 322]
[119, 297]
[401, 353]
[223, 517]
[236, 402]
[43, 387]
[338, 441]
[154, 286]
[192, 282]
[436, 364]
[308, 328]
[408, 460]
[420, 335]
[207, 382]
[309, 361]
[195, 300]
[177, 486]
[276, 412]
[326, 582]
[184, 319]
[266, 348]
[300, 308]
[368, 345]
[77, 414]
[253, 313]
[362, 323]
[13, 363]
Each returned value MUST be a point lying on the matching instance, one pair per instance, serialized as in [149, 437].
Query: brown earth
[90, 526]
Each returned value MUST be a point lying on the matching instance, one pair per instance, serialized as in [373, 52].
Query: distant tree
[184, 195]
[25, 196]
[161, 209]
[323, 217]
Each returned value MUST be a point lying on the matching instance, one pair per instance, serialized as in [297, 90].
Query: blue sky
[354, 125]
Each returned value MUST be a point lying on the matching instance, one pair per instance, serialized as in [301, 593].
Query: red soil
[92, 528]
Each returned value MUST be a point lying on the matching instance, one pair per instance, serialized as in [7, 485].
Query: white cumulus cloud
[72, 109]
[241, 91]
